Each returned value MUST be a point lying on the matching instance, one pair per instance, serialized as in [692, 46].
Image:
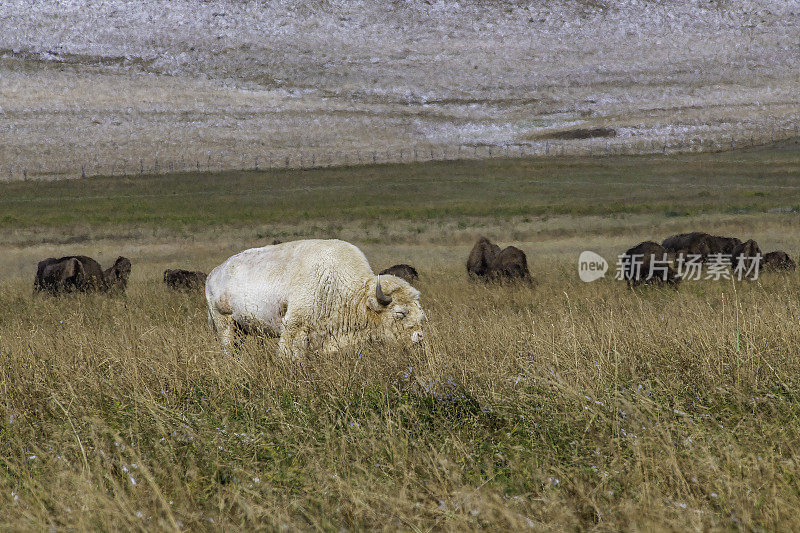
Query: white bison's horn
[382, 298]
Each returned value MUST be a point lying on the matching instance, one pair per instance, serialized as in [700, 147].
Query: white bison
[317, 295]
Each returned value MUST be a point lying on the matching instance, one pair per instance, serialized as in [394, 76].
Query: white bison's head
[397, 308]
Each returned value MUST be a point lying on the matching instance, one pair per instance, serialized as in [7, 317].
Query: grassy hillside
[728, 182]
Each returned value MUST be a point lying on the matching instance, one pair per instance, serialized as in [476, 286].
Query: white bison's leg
[225, 328]
[294, 337]
[294, 343]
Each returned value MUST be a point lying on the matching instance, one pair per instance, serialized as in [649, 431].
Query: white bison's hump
[307, 251]
[292, 261]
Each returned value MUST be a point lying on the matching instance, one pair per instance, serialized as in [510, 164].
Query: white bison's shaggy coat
[315, 294]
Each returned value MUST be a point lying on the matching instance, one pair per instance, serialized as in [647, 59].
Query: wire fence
[321, 157]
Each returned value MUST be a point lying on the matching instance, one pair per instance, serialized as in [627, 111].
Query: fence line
[311, 158]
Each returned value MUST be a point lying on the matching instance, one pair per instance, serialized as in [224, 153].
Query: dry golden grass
[559, 406]
[566, 405]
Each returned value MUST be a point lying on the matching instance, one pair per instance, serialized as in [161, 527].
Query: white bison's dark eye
[399, 314]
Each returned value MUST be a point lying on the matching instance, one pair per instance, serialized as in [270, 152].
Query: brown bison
[694, 243]
[722, 245]
[777, 260]
[116, 276]
[699, 243]
[402, 271]
[745, 254]
[57, 275]
[79, 273]
[481, 257]
[184, 280]
[510, 263]
[648, 262]
[488, 262]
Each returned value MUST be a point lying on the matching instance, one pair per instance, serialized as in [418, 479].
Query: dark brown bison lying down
[78, 273]
[184, 280]
[488, 262]
[702, 244]
[647, 262]
[403, 271]
[777, 260]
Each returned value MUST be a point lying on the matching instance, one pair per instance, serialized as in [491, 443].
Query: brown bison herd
[486, 262]
[79, 273]
[701, 246]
